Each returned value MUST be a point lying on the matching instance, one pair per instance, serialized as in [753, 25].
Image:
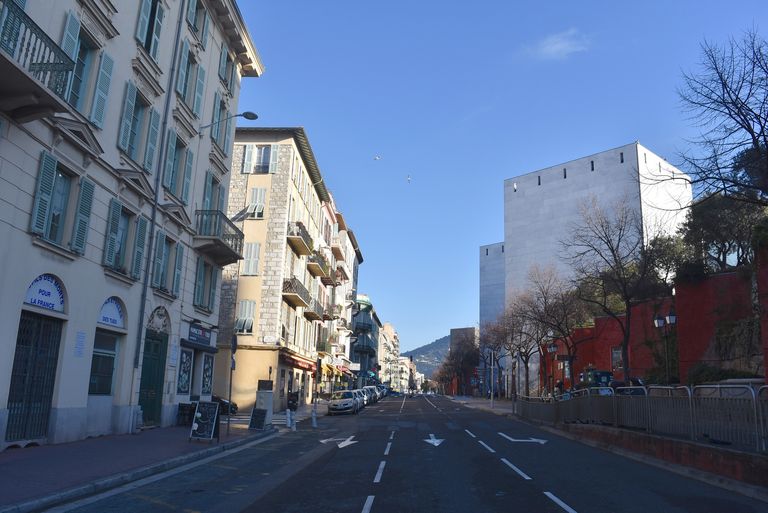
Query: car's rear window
[342, 395]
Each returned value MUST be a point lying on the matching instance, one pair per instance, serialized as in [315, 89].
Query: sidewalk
[37, 477]
[500, 406]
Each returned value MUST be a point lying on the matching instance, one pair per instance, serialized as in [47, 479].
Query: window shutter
[204, 33]
[247, 159]
[125, 123]
[183, 62]
[139, 247]
[247, 250]
[157, 276]
[207, 191]
[199, 89]
[101, 92]
[228, 134]
[144, 13]
[274, 157]
[152, 134]
[222, 198]
[170, 155]
[256, 254]
[113, 222]
[216, 115]
[45, 179]
[212, 289]
[191, 10]
[82, 216]
[187, 176]
[231, 78]
[156, 32]
[70, 41]
[223, 62]
[199, 282]
[177, 269]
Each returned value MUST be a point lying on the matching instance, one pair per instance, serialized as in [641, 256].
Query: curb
[107, 483]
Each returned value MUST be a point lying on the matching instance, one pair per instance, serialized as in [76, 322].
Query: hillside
[429, 357]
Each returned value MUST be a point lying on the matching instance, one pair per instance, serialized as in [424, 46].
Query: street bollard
[288, 418]
[293, 421]
[314, 418]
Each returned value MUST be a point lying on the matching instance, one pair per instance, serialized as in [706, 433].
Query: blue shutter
[45, 179]
[207, 191]
[129, 102]
[199, 282]
[183, 62]
[187, 176]
[231, 78]
[139, 247]
[159, 15]
[144, 13]
[222, 198]
[157, 273]
[216, 115]
[212, 289]
[152, 134]
[113, 223]
[204, 33]
[101, 93]
[177, 269]
[70, 42]
[274, 157]
[247, 159]
[223, 62]
[227, 133]
[82, 217]
[191, 9]
[170, 154]
[199, 89]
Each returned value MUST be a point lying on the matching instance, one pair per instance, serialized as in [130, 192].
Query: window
[214, 194]
[198, 20]
[245, 313]
[54, 208]
[621, 157]
[205, 285]
[259, 158]
[139, 128]
[645, 158]
[592, 165]
[250, 265]
[539, 180]
[190, 84]
[125, 238]
[565, 173]
[178, 167]
[222, 124]
[103, 363]
[151, 15]
[227, 68]
[83, 62]
[168, 264]
[256, 203]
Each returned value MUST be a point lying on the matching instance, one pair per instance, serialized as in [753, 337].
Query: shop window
[103, 363]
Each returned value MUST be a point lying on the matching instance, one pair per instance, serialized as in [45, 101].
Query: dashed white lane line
[560, 503]
[368, 504]
[401, 406]
[519, 472]
[386, 451]
[485, 445]
[392, 435]
[470, 433]
[433, 406]
[380, 471]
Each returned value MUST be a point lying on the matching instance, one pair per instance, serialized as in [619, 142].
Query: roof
[239, 40]
[353, 239]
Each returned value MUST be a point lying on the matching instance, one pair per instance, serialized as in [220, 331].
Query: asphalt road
[424, 454]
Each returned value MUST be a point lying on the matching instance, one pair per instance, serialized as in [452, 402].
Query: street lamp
[552, 349]
[250, 116]
[666, 323]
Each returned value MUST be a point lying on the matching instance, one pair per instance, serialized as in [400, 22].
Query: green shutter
[216, 114]
[199, 89]
[82, 216]
[139, 247]
[170, 155]
[46, 177]
[70, 41]
[157, 272]
[199, 282]
[188, 162]
[141, 28]
[152, 134]
[191, 9]
[222, 198]
[101, 92]
[231, 78]
[129, 103]
[156, 32]
[183, 62]
[223, 62]
[177, 269]
[204, 33]
[274, 157]
[212, 289]
[207, 191]
[227, 133]
[113, 223]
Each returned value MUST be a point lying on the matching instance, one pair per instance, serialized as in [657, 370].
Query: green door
[152, 374]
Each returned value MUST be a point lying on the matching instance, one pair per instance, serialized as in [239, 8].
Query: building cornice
[239, 40]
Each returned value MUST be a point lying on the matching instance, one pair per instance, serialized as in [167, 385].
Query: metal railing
[214, 223]
[318, 259]
[316, 307]
[729, 415]
[27, 44]
[297, 229]
[292, 285]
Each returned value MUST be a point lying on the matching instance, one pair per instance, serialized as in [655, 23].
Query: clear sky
[460, 96]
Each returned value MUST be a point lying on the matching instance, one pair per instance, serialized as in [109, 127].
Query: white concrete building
[110, 214]
[491, 282]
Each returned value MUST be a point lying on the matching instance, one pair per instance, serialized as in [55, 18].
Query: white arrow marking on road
[343, 441]
[533, 440]
[434, 441]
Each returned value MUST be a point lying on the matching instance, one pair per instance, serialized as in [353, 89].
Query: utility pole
[492, 377]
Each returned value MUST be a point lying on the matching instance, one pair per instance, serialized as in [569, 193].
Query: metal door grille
[33, 377]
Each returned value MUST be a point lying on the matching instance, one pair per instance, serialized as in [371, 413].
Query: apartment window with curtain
[259, 159]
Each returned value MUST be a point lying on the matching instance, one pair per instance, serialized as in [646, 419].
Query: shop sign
[111, 313]
[354, 366]
[199, 335]
[46, 292]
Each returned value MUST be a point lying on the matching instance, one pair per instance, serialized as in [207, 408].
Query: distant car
[384, 390]
[360, 398]
[395, 393]
[225, 408]
[372, 392]
[343, 401]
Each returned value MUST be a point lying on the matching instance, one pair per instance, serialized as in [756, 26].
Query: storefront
[295, 375]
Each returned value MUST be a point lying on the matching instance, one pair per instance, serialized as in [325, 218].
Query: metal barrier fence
[729, 415]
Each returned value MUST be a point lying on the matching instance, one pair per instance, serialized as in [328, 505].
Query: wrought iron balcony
[295, 293]
[337, 247]
[342, 271]
[34, 69]
[299, 238]
[317, 266]
[362, 326]
[364, 346]
[313, 312]
[217, 237]
[341, 323]
[330, 280]
[324, 346]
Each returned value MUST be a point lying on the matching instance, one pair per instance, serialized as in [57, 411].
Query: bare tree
[494, 347]
[527, 334]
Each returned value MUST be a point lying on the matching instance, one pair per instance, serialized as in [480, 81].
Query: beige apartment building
[116, 123]
[286, 304]
[389, 353]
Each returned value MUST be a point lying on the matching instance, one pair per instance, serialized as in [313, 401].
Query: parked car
[360, 398]
[371, 391]
[342, 401]
[225, 407]
[384, 390]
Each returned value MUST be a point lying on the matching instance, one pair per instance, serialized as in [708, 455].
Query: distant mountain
[429, 357]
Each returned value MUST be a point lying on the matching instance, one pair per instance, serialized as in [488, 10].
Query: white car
[343, 401]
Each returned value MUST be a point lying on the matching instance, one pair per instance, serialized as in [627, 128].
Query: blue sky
[461, 96]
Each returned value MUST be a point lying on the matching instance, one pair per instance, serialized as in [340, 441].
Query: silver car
[343, 401]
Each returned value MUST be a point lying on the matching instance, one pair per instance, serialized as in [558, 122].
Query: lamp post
[552, 349]
[250, 116]
[666, 323]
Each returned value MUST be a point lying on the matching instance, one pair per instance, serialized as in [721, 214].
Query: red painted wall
[762, 290]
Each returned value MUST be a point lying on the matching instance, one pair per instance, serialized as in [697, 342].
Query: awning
[198, 346]
[297, 362]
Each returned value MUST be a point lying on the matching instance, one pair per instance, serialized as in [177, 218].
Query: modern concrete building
[491, 282]
[288, 302]
[115, 136]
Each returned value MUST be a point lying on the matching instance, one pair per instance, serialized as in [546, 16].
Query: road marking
[485, 445]
[560, 503]
[386, 451]
[520, 472]
[392, 435]
[470, 433]
[401, 406]
[430, 402]
[529, 439]
[380, 471]
[434, 441]
[368, 504]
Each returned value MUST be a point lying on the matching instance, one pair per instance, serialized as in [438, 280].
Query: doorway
[152, 376]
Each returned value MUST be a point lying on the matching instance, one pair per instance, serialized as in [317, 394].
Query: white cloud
[560, 45]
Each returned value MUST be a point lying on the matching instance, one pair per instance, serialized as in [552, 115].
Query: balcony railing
[363, 325]
[299, 238]
[337, 248]
[364, 346]
[342, 271]
[324, 346]
[32, 50]
[317, 265]
[295, 293]
[218, 237]
[313, 312]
